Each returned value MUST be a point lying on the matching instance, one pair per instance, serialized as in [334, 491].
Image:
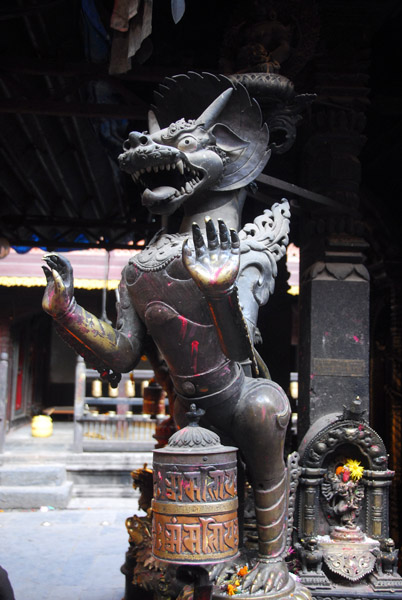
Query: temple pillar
[4, 377]
[334, 333]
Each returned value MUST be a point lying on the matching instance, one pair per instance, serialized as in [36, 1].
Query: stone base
[315, 581]
[355, 592]
[386, 583]
[347, 534]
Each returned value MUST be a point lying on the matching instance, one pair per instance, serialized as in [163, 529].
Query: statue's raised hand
[214, 267]
[59, 293]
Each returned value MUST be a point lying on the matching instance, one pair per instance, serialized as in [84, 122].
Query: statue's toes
[250, 579]
[279, 580]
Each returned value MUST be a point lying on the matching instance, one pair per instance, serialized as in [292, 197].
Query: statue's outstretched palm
[214, 267]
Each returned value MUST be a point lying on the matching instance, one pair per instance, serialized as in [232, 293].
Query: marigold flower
[231, 589]
[243, 571]
[355, 468]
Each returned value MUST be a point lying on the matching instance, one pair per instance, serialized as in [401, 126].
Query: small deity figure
[387, 558]
[344, 493]
[311, 556]
[190, 300]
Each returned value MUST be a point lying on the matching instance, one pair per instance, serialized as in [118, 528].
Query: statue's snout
[136, 139]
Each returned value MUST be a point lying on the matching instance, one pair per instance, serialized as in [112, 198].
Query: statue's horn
[210, 114]
[153, 125]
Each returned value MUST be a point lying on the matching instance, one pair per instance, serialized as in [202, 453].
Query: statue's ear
[227, 139]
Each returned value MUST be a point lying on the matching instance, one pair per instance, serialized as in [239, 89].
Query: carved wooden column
[395, 393]
[334, 293]
[386, 382]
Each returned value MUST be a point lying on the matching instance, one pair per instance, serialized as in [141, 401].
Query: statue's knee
[265, 405]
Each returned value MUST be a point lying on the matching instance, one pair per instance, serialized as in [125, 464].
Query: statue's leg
[258, 428]
[255, 421]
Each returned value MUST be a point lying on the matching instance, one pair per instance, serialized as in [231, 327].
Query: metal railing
[119, 429]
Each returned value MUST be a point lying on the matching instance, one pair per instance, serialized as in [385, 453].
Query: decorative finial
[194, 415]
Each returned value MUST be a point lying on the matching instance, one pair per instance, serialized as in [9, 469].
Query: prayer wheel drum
[195, 498]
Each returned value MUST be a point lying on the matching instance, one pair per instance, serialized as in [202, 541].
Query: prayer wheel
[154, 399]
[195, 497]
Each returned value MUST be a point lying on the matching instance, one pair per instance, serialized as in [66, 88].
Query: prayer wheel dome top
[193, 437]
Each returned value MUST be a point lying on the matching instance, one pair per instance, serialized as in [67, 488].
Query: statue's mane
[188, 95]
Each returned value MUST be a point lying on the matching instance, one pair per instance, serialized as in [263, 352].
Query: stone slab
[28, 475]
[35, 496]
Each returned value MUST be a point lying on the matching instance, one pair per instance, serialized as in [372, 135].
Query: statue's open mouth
[166, 181]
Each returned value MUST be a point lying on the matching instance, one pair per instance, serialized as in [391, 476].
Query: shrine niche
[343, 505]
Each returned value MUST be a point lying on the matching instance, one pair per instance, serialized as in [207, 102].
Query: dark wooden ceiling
[63, 117]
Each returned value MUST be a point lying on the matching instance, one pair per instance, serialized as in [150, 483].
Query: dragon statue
[190, 300]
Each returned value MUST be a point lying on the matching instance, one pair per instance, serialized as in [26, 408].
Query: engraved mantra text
[175, 536]
[203, 485]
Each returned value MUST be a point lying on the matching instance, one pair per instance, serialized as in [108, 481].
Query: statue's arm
[102, 345]
[214, 268]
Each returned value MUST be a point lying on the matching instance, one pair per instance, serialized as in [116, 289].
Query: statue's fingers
[48, 274]
[187, 254]
[198, 240]
[235, 241]
[224, 235]
[212, 237]
[58, 281]
[50, 261]
[63, 266]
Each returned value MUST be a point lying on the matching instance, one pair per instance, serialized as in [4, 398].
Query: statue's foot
[250, 577]
[221, 572]
[267, 575]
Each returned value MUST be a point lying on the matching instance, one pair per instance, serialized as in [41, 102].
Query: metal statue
[190, 300]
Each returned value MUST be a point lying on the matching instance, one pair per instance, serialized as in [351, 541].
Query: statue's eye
[187, 144]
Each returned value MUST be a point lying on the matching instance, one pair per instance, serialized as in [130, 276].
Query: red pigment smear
[218, 272]
[183, 328]
[194, 354]
[356, 339]
[263, 412]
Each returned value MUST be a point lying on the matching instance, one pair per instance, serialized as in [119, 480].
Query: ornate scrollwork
[342, 432]
[351, 563]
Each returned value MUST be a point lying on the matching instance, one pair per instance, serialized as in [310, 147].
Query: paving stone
[74, 558]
